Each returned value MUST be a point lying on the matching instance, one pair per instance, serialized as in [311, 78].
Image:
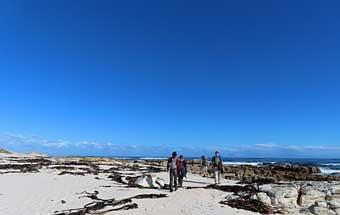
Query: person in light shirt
[217, 165]
[204, 166]
[172, 168]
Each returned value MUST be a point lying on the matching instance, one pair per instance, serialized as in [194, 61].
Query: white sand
[41, 193]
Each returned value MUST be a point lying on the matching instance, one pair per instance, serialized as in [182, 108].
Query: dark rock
[274, 173]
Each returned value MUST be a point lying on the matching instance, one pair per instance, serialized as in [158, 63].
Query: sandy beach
[39, 185]
[42, 194]
[46, 192]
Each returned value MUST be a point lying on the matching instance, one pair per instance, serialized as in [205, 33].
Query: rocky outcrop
[317, 210]
[261, 174]
[281, 195]
[309, 195]
[264, 198]
[275, 172]
[4, 151]
[36, 154]
[141, 181]
[149, 181]
[319, 198]
[269, 173]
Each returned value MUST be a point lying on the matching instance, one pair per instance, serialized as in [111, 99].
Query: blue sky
[249, 78]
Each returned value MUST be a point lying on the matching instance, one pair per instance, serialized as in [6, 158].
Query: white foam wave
[120, 158]
[331, 164]
[153, 158]
[328, 171]
[242, 163]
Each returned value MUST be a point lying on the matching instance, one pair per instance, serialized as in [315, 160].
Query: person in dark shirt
[181, 170]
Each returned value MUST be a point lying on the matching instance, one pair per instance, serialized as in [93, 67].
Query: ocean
[327, 166]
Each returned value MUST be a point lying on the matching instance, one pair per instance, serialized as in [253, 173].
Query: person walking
[181, 170]
[204, 166]
[217, 165]
[172, 169]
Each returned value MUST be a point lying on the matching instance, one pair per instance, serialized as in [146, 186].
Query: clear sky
[249, 78]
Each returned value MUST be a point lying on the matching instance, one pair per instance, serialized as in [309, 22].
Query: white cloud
[322, 147]
[268, 145]
[23, 143]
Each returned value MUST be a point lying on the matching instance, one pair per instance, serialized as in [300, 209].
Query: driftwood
[98, 204]
[33, 168]
[243, 200]
[32, 165]
[92, 196]
[116, 177]
[230, 188]
[126, 207]
[71, 173]
[63, 167]
[251, 205]
[129, 180]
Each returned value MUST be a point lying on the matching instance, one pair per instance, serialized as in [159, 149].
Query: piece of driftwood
[251, 205]
[243, 200]
[236, 189]
[24, 168]
[97, 206]
[63, 167]
[72, 173]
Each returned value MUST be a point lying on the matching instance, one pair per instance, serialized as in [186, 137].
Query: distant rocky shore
[270, 172]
